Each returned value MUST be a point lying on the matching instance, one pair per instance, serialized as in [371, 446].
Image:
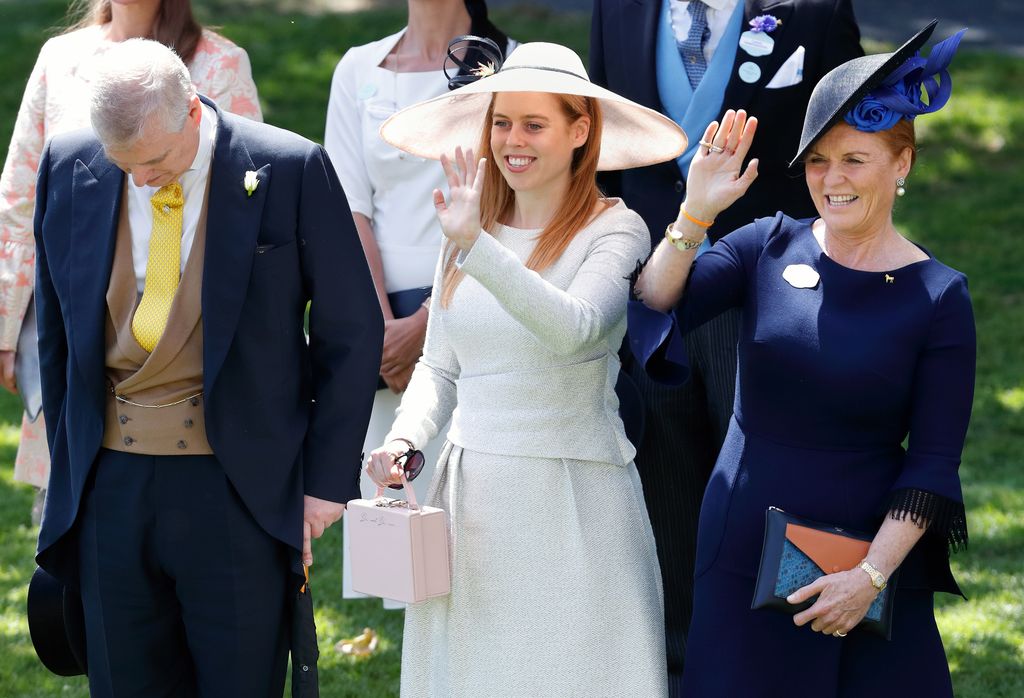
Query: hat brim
[632, 135]
[844, 86]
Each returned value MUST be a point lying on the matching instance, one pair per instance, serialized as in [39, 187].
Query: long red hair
[576, 210]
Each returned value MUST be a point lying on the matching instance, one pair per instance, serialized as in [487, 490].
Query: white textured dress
[556, 589]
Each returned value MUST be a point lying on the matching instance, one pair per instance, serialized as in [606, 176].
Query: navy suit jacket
[622, 57]
[284, 418]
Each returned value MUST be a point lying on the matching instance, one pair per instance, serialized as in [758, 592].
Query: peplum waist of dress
[568, 411]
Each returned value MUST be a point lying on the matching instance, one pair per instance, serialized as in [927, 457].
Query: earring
[900, 190]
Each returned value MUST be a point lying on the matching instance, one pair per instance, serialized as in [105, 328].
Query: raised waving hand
[460, 214]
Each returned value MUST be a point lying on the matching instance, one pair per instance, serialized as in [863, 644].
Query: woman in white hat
[555, 583]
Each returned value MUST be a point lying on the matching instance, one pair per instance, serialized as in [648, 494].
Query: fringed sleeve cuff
[944, 518]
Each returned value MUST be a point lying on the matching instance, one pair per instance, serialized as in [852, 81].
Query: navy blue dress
[832, 378]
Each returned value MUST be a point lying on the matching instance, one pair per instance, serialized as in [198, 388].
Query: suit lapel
[738, 93]
[95, 207]
[233, 224]
[646, 14]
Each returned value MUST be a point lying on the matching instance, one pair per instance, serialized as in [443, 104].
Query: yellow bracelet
[681, 243]
[695, 221]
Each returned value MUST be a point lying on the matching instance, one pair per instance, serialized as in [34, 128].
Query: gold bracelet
[695, 221]
[681, 243]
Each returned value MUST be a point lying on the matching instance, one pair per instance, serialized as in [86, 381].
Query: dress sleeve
[718, 281]
[17, 200]
[430, 398]
[582, 315]
[227, 80]
[343, 138]
[928, 489]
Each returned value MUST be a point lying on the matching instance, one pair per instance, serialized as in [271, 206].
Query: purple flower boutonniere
[765, 23]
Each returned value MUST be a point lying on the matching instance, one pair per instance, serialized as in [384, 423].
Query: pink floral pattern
[55, 101]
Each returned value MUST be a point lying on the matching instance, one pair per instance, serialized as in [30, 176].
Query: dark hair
[175, 25]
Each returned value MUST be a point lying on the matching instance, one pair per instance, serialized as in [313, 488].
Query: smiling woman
[547, 516]
[854, 179]
[852, 339]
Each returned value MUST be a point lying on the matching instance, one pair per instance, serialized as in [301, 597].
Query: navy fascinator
[872, 93]
[474, 57]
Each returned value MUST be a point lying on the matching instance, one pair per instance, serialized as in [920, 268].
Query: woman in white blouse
[556, 589]
[387, 188]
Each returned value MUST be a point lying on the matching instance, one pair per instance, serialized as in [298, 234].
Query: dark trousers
[184, 594]
[684, 430]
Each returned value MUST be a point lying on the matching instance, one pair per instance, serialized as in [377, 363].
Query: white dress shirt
[193, 187]
[718, 14]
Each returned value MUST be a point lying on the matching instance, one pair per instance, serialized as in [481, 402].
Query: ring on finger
[838, 634]
[712, 148]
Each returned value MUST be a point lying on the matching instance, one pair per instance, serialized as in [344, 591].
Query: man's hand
[7, 371]
[317, 517]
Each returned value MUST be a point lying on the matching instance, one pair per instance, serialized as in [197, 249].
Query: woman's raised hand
[716, 179]
[460, 215]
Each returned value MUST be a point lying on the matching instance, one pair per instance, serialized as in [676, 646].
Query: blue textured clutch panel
[796, 570]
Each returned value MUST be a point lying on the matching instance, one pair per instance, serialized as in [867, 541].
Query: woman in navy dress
[852, 338]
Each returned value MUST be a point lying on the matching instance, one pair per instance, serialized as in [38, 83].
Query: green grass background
[965, 203]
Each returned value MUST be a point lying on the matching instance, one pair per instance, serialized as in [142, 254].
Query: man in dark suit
[692, 61]
[198, 441]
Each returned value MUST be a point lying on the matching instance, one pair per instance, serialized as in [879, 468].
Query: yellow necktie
[163, 268]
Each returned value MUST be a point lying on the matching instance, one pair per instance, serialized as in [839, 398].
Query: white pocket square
[791, 73]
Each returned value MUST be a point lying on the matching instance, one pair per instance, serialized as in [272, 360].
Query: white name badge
[801, 276]
[750, 72]
[757, 43]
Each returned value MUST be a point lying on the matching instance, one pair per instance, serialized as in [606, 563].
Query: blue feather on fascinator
[900, 95]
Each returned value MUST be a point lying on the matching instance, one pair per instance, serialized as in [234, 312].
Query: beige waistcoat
[171, 376]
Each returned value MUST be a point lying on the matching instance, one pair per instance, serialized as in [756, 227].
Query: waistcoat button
[123, 419]
[128, 441]
[182, 444]
[188, 423]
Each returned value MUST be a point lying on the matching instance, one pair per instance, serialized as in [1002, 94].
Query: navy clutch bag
[797, 551]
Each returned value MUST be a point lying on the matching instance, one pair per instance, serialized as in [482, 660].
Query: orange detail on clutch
[831, 552]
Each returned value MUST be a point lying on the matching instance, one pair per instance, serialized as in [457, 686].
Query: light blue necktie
[692, 49]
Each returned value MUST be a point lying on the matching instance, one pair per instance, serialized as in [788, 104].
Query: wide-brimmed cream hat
[632, 136]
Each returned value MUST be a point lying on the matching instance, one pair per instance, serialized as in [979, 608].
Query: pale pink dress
[57, 100]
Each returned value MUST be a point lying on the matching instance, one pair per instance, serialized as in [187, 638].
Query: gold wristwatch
[877, 578]
[679, 242]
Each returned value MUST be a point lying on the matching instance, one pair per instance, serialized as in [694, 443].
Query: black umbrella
[305, 681]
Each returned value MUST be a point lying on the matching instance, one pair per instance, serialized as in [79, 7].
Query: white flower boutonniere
[250, 182]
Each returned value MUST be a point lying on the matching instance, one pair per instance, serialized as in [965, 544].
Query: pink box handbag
[399, 549]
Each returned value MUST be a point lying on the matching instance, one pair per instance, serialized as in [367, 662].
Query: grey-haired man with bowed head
[198, 442]
[693, 60]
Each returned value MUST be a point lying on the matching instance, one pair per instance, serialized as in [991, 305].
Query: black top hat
[845, 85]
[56, 624]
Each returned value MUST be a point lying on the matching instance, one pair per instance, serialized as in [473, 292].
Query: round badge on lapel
[757, 43]
[750, 72]
[801, 276]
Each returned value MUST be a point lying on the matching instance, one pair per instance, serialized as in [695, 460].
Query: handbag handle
[410, 493]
